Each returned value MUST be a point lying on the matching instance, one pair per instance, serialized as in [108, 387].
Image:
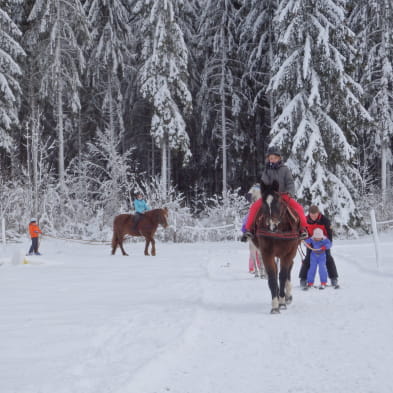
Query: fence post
[3, 230]
[175, 230]
[375, 235]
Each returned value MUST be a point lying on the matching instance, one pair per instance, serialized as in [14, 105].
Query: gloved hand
[244, 238]
[323, 248]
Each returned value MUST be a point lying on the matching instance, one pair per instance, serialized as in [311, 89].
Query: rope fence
[198, 233]
[78, 240]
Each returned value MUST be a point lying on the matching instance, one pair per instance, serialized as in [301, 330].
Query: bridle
[273, 220]
[270, 222]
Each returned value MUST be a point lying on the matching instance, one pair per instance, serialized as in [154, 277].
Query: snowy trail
[190, 320]
[322, 340]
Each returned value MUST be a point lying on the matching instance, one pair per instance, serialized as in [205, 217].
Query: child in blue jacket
[141, 207]
[318, 244]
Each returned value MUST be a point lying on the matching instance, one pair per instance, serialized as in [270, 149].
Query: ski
[337, 286]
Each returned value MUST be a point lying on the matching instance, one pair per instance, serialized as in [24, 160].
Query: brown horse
[123, 225]
[277, 236]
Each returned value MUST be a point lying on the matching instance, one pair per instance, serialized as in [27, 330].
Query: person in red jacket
[315, 219]
[34, 231]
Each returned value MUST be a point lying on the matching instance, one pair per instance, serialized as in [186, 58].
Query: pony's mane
[154, 212]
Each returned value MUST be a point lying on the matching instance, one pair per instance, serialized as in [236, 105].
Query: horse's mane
[155, 212]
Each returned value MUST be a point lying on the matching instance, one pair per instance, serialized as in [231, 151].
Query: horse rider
[141, 207]
[275, 169]
[315, 219]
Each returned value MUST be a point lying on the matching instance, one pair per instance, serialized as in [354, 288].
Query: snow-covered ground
[190, 320]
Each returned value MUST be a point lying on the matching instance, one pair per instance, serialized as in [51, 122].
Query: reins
[277, 235]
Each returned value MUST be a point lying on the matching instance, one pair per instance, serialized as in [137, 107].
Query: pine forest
[180, 99]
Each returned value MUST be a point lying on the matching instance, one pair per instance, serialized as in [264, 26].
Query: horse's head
[163, 217]
[272, 206]
[254, 193]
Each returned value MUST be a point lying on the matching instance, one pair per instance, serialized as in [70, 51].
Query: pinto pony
[277, 236]
[123, 224]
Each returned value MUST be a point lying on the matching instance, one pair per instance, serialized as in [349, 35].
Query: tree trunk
[223, 114]
[164, 163]
[383, 170]
[34, 155]
[270, 94]
[60, 125]
[169, 167]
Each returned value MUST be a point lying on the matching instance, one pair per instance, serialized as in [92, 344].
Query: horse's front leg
[271, 270]
[285, 285]
[153, 247]
[147, 242]
[288, 286]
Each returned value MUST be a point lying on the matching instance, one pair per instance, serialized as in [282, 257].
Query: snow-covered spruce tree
[257, 46]
[220, 95]
[163, 78]
[57, 35]
[108, 57]
[317, 105]
[10, 91]
[372, 21]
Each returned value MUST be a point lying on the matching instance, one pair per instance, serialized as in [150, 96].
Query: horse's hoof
[282, 306]
[275, 311]
[288, 299]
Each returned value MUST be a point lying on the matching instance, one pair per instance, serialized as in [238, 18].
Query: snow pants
[330, 265]
[317, 260]
[34, 245]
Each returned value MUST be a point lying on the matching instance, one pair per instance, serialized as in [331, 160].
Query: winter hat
[33, 220]
[273, 150]
[318, 233]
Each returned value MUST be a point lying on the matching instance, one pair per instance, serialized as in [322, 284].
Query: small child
[34, 231]
[318, 244]
[141, 207]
